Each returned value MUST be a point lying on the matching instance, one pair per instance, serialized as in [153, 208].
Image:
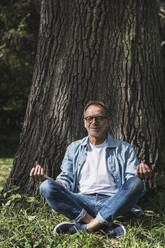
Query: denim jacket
[120, 157]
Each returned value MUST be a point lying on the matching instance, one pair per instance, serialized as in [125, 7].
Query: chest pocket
[114, 165]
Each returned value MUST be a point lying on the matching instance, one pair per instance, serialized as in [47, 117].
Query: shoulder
[118, 144]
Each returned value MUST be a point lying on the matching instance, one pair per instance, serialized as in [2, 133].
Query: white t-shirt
[95, 175]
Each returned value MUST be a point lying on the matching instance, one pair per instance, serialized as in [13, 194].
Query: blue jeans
[103, 207]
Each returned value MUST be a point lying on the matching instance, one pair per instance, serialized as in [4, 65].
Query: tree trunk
[92, 49]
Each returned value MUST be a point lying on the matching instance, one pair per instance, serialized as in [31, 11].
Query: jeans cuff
[81, 215]
[81, 227]
[101, 220]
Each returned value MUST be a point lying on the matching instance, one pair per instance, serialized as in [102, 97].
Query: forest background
[19, 24]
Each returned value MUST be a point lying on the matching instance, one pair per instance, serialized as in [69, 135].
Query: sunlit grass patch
[5, 168]
[27, 221]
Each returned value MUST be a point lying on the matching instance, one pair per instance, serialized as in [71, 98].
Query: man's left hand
[143, 171]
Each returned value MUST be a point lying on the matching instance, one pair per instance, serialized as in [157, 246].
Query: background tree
[19, 24]
[94, 49]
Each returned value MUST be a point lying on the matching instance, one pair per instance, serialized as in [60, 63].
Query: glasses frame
[100, 118]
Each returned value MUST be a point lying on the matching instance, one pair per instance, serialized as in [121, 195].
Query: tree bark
[92, 49]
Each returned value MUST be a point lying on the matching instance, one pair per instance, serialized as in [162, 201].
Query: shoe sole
[123, 230]
[65, 222]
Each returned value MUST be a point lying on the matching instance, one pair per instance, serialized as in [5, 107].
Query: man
[100, 179]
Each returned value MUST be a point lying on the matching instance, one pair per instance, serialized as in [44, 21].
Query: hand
[57, 181]
[143, 171]
[37, 174]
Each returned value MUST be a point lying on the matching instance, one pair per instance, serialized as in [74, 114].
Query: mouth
[94, 128]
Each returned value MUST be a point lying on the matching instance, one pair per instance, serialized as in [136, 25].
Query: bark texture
[92, 49]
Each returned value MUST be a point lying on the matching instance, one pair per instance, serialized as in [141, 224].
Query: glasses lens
[89, 119]
[97, 118]
[100, 118]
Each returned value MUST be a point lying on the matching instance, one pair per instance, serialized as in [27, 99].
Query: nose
[93, 120]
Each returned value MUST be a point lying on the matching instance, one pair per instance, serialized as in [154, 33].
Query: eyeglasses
[89, 119]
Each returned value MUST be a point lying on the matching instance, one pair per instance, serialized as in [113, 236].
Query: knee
[136, 183]
[47, 187]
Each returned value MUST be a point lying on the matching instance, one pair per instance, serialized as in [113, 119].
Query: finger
[31, 172]
[148, 169]
[59, 182]
[42, 171]
[37, 170]
[35, 173]
[38, 175]
[144, 171]
[41, 176]
[145, 168]
[145, 165]
[139, 171]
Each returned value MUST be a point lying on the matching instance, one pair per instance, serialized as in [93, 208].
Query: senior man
[100, 179]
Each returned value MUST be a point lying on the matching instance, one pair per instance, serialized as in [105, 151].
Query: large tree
[92, 49]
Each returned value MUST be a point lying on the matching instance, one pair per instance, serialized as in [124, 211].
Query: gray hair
[97, 103]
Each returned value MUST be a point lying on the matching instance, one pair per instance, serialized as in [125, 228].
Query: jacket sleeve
[131, 165]
[131, 162]
[66, 175]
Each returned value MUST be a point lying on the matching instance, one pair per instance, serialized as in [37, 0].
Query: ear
[84, 123]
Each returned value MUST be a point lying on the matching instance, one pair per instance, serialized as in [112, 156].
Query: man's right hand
[37, 173]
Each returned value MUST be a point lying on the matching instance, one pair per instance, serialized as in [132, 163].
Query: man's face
[95, 121]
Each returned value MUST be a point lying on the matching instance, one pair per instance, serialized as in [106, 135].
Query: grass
[27, 222]
[5, 168]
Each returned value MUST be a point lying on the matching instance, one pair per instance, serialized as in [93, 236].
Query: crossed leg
[81, 208]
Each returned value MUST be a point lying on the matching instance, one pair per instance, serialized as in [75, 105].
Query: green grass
[5, 167]
[30, 223]
[27, 222]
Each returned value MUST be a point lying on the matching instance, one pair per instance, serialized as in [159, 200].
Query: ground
[27, 222]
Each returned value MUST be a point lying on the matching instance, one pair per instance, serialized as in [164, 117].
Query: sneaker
[65, 227]
[115, 230]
